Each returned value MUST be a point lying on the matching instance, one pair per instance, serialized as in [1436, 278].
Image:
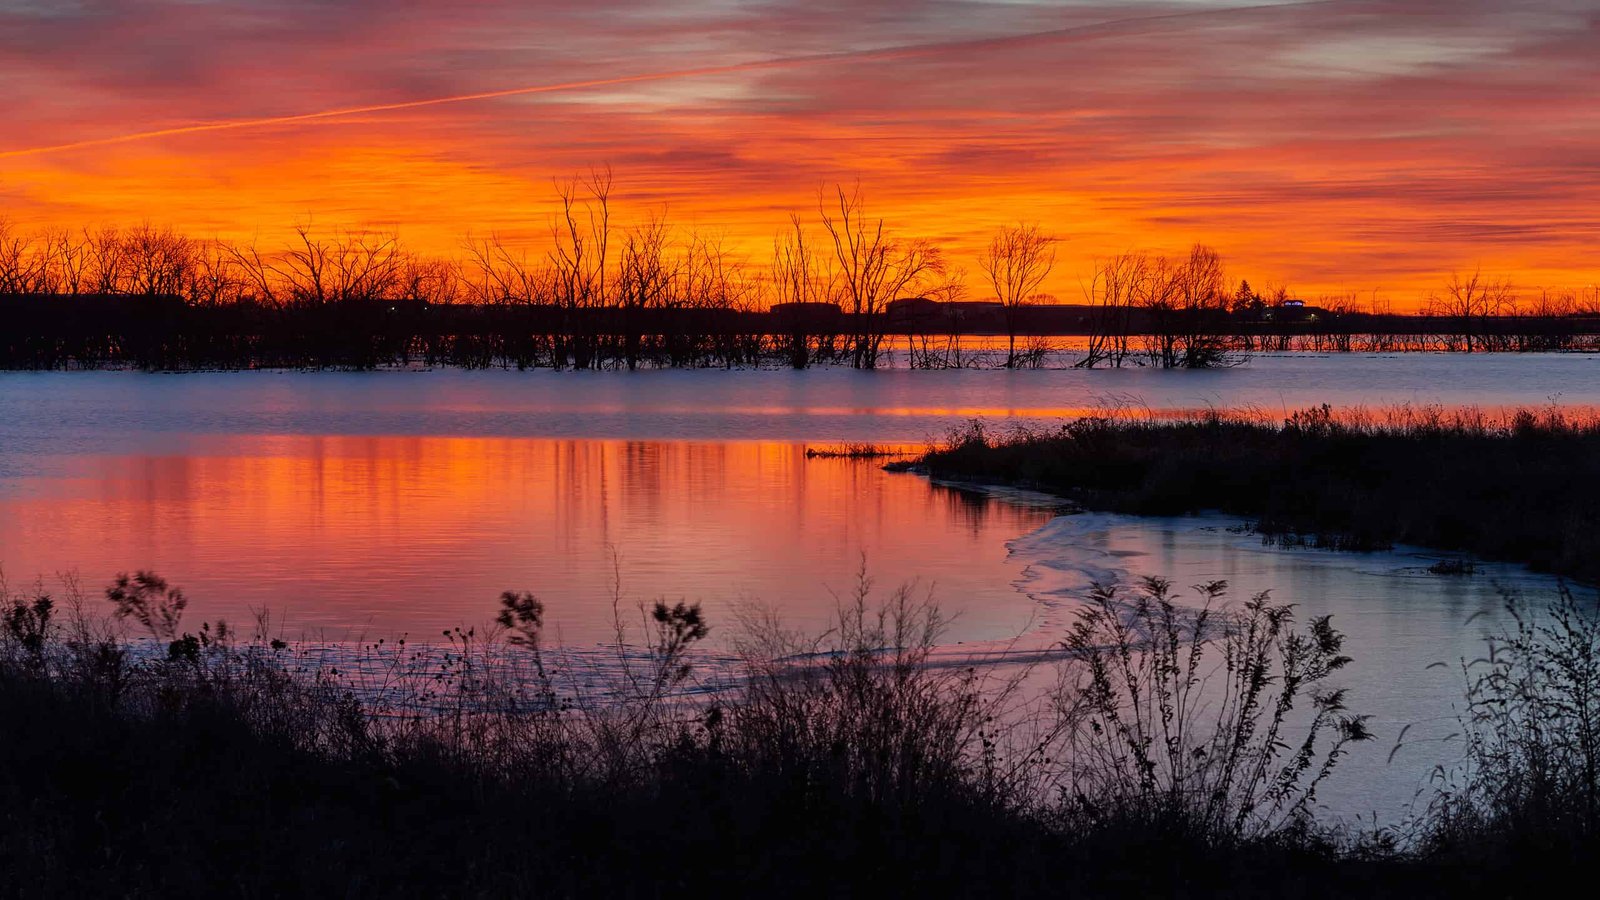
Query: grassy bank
[1524, 488]
[140, 759]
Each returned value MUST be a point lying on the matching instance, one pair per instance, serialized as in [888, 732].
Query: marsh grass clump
[1522, 487]
[1527, 792]
[862, 710]
[857, 451]
[1288, 537]
[1454, 566]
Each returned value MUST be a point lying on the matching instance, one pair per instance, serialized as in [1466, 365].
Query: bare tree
[430, 281]
[213, 276]
[1277, 296]
[1546, 322]
[359, 265]
[304, 270]
[68, 259]
[1112, 292]
[255, 273]
[21, 261]
[1469, 302]
[498, 273]
[1159, 294]
[873, 267]
[1334, 331]
[582, 234]
[502, 273]
[797, 281]
[1587, 303]
[1202, 293]
[645, 281]
[717, 285]
[937, 344]
[106, 265]
[367, 266]
[156, 262]
[1018, 260]
[1185, 304]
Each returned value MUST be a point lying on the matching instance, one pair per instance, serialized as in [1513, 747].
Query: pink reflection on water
[343, 536]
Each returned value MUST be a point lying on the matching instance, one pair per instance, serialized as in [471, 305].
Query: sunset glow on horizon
[1368, 147]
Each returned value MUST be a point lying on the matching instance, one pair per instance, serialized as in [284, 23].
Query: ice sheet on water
[1401, 622]
[411, 678]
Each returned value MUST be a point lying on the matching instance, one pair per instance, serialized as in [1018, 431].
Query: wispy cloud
[1340, 143]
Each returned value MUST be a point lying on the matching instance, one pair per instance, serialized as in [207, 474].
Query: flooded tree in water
[645, 278]
[596, 293]
[582, 236]
[797, 284]
[1469, 303]
[1186, 310]
[1016, 263]
[1112, 294]
[1202, 293]
[874, 268]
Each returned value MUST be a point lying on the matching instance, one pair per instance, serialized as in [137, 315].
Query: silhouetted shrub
[1180, 754]
[1528, 791]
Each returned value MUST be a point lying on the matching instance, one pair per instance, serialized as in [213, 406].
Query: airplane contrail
[1096, 30]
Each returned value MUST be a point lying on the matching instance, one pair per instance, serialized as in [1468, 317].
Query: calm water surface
[46, 414]
[404, 502]
[384, 535]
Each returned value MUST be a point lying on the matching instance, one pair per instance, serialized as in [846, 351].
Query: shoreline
[1351, 481]
[986, 359]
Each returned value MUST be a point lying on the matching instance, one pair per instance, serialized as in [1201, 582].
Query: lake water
[390, 503]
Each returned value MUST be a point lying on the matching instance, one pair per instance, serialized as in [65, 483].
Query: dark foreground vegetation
[1522, 488]
[1179, 753]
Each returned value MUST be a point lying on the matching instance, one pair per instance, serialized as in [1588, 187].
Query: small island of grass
[1523, 487]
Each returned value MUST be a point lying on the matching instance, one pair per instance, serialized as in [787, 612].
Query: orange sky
[1333, 146]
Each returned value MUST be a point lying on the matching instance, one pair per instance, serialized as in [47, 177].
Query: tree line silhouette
[845, 289]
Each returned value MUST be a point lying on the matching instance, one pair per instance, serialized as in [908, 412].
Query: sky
[1368, 146]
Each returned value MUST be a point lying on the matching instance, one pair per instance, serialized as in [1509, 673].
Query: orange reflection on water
[385, 535]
